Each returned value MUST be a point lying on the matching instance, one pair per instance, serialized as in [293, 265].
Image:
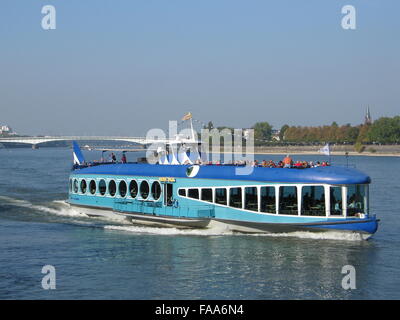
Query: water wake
[170, 231]
[62, 208]
[57, 207]
[220, 231]
[323, 235]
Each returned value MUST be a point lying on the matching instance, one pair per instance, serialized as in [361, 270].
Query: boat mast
[191, 128]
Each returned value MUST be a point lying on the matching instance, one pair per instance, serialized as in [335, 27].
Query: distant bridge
[38, 140]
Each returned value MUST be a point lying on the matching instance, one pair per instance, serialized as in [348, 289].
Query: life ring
[175, 203]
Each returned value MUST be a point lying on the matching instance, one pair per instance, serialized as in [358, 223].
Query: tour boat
[177, 192]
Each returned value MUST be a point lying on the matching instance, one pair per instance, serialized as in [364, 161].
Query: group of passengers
[287, 162]
[112, 158]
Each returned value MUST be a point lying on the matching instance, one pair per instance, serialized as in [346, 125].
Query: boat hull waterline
[365, 227]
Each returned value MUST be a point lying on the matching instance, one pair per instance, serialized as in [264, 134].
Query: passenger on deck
[271, 164]
[287, 162]
[113, 157]
[264, 163]
[123, 158]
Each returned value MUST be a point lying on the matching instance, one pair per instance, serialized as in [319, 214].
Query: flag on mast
[325, 150]
[187, 116]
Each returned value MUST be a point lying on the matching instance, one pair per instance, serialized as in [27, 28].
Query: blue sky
[123, 67]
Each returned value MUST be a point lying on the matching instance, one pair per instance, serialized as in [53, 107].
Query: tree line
[385, 130]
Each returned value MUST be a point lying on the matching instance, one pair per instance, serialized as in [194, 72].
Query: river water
[103, 259]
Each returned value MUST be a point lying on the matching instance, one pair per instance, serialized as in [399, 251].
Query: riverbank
[372, 150]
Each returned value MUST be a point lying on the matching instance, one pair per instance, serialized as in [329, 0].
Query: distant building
[6, 130]
[276, 135]
[368, 119]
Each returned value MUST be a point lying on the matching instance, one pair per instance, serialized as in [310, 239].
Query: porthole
[83, 186]
[156, 190]
[102, 187]
[133, 188]
[112, 188]
[92, 187]
[76, 186]
[144, 190]
[122, 188]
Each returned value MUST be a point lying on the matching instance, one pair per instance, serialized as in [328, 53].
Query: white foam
[61, 207]
[171, 231]
[328, 235]
[324, 235]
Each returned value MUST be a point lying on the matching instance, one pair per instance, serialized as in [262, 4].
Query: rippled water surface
[104, 259]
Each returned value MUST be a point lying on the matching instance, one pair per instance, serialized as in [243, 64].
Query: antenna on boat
[189, 116]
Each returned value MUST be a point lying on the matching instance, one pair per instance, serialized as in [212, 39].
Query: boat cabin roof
[319, 175]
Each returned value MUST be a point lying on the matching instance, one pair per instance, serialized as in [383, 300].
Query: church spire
[368, 119]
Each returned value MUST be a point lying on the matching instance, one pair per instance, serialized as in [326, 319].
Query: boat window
[112, 188]
[313, 201]
[70, 185]
[193, 193]
[156, 190]
[251, 198]
[288, 200]
[221, 196]
[235, 197]
[76, 186]
[268, 203]
[182, 192]
[206, 194]
[92, 186]
[133, 188]
[122, 188]
[83, 186]
[336, 201]
[168, 192]
[102, 187]
[144, 190]
[356, 199]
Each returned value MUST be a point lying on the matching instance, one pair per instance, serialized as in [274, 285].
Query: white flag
[325, 150]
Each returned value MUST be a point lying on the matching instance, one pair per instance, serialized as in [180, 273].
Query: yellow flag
[187, 116]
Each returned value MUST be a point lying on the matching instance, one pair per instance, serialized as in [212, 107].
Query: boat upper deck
[320, 175]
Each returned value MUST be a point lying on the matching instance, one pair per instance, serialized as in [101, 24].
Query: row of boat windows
[284, 198]
[143, 189]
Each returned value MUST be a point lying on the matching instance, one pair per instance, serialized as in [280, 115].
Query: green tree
[262, 132]
[282, 132]
[385, 130]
